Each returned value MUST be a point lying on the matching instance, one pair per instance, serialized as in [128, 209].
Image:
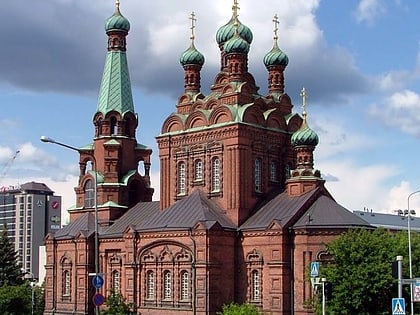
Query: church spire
[115, 92]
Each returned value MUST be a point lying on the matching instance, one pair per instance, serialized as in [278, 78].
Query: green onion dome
[276, 57]
[227, 31]
[192, 57]
[305, 136]
[236, 45]
[117, 22]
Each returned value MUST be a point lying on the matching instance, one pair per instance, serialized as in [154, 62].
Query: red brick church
[242, 211]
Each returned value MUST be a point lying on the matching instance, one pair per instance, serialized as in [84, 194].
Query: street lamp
[409, 213]
[32, 281]
[96, 236]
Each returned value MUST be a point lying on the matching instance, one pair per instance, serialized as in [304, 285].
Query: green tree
[15, 299]
[117, 305]
[361, 274]
[239, 309]
[10, 272]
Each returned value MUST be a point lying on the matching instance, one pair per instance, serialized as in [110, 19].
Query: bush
[239, 309]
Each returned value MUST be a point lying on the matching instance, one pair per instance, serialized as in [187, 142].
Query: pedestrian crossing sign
[398, 306]
[315, 269]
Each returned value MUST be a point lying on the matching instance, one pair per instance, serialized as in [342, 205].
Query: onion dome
[305, 136]
[192, 57]
[117, 22]
[236, 45]
[276, 57]
[227, 31]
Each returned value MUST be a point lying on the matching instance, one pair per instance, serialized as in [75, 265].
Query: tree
[10, 270]
[15, 299]
[361, 274]
[239, 309]
[117, 305]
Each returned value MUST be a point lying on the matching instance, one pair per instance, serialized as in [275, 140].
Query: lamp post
[32, 280]
[409, 213]
[96, 236]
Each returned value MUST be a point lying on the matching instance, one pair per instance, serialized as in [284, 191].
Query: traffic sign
[98, 299]
[314, 269]
[398, 306]
[98, 281]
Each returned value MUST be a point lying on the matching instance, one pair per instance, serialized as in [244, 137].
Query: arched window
[167, 285]
[273, 171]
[258, 175]
[150, 292]
[185, 286]
[89, 194]
[114, 126]
[66, 283]
[256, 286]
[182, 189]
[215, 175]
[198, 170]
[116, 281]
[287, 170]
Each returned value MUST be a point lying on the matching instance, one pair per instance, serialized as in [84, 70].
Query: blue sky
[358, 59]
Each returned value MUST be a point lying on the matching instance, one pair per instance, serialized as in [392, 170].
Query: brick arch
[275, 120]
[196, 119]
[198, 105]
[253, 115]
[219, 115]
[294, 123]
[173, 123]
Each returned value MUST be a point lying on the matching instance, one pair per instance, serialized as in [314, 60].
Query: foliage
[10, 272]
[15, 299]
[117, 305]
[239, 309]
[361, 273]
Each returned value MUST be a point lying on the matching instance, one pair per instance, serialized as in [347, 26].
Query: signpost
[97, 281]
[98, 299]
[398, 306]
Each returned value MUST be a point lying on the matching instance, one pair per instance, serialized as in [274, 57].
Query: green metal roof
[115, 93]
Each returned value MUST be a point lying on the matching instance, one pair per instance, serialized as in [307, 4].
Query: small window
[198, 170]
[215, 176]
[150, 293]
[167, 285]
[182, 179]
[184, 286]
[116, 283]
[257, 175]
[66, 283]
[89, 194]
[273, 171]
[256, 286]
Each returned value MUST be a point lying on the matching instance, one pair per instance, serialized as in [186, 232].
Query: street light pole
[96, 236]
[409, 213]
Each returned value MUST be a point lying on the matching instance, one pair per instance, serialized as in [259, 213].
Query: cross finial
[193, 20]
[235, 9]
[304, 99]
[117, 3]
[276, 27]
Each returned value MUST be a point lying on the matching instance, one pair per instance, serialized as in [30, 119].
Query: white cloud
[400, 110]
[359, 186]
[368, 10]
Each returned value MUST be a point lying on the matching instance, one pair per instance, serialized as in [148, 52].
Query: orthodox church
[242, 211]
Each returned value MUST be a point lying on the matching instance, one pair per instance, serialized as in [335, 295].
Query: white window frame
[182, 178]
[258, 175]
[215, 175]
[185, 286]
[167, 285]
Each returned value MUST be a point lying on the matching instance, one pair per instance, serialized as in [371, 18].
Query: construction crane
[8, 165]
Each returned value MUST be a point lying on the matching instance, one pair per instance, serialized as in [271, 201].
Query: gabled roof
[36, 187]
[84, 224]
[185, 214]
[326, 213]
[281, 208]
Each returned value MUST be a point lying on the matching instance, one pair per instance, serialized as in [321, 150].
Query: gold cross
[193, 20]
[235, 9]
[304, 99]
[117, 3]
[276, 26]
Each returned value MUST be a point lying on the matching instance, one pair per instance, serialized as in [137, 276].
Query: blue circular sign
[98, 299]
[97, 281]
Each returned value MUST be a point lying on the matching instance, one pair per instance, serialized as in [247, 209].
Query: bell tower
[114, 169]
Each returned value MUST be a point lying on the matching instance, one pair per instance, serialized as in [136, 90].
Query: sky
[359, 61]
